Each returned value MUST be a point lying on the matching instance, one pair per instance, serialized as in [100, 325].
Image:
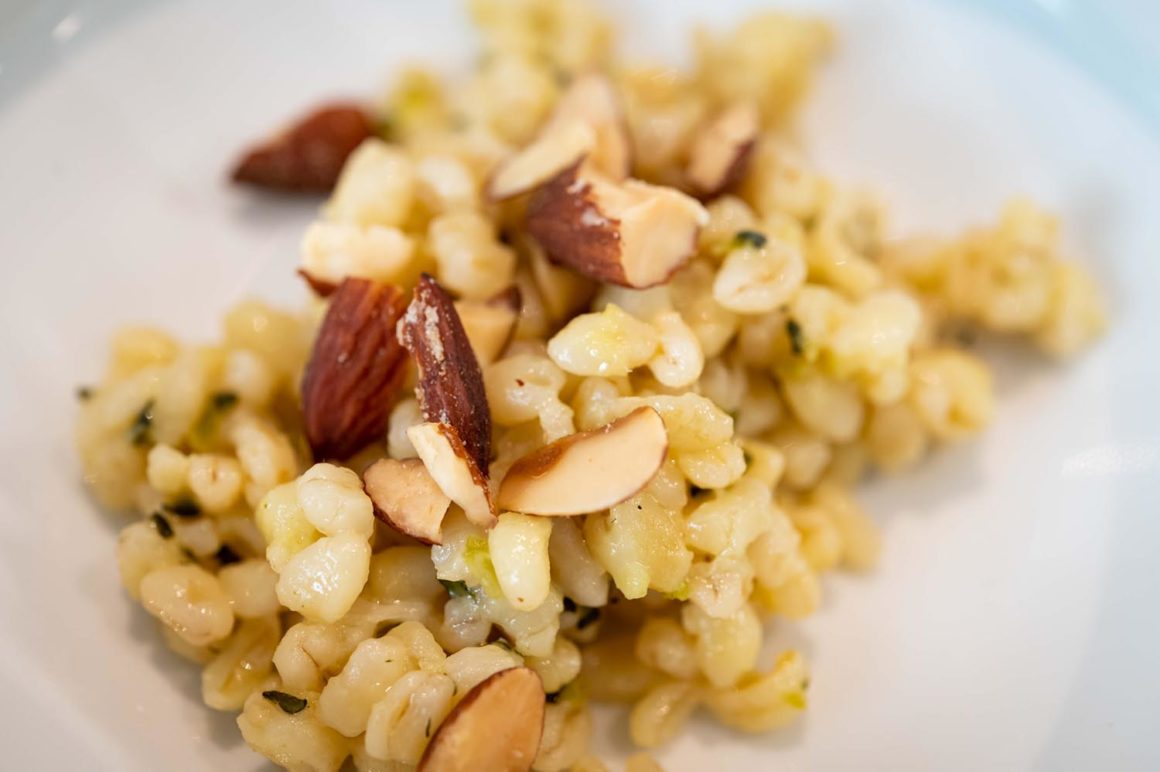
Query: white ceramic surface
[1013, 623]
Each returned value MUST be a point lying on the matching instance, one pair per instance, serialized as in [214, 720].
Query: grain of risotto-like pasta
[597, 363]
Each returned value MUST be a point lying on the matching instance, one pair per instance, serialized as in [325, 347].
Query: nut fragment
[630, 233]
[588, 471]
[491, 323]
[308, 156]
[407, 498]
[450, 389]
[721, 150]
[552, 152]
[592, 100]
[453, 470]
[496, 727]
[355, 369]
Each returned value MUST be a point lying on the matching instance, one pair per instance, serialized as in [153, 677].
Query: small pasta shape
[190, 601]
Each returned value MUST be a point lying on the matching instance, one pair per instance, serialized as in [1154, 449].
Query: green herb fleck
[797, 340]
[287, 702]
[748, 238]
[162, 525]
[224, 400]
[84, 393]
[183, 508]
[139, 430]
[587, 618]
[455, 589]
[226, 555]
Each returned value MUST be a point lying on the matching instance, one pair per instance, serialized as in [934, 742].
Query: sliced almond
[454, 471]
[450, 388]
[722, 149]
[588, 471]
[491, 323]
[355, 369]
[309, 155]
[495, 727]
[592, 99]
[407, 498]
[629, 233]
[321, 287]
[552, 152]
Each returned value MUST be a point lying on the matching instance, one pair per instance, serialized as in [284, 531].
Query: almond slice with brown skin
[592, 99]
[722, 149]
[355, 369]
[631, 233]
[454, 471]
[495, 727]
[490, 324]
[552, 152]
[450, 388]
[307, 156]
[588, 471]
[407, 498]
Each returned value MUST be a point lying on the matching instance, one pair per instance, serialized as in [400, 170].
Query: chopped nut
[721, 150]
[490, 324]
[588, 471]
[630, 233]
[355, 369]
[308, 156]
[406, 498]
[450, 389]
[592, 100]
[496, 726]
[454, 471]
[551, 153]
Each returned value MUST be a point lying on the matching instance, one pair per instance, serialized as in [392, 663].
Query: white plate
[1013, 622]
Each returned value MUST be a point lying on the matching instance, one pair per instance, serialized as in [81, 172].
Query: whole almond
[355, 369]
[307, 156]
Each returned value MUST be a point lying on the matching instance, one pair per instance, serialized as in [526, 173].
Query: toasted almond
[629, 233]
[407, 498]
[355, 369]
[450, 389]
[552, 152]
[722, 149]
[495, 727]
[591, 99]
[321, 287]
[454, 471]
[308, 156]
[491, 323]
[588, 471]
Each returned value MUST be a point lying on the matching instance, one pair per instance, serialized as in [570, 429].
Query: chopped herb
[224, 400]
[183, 508]
[797, 340]
[551, 697]
[287, 702]
[139, 430]
[226, 555]
[427, 731]
[569, 604]
[455, 589]
[749, 239]
[162, 525]
[84, 393]
[587, 618]
[639, 507]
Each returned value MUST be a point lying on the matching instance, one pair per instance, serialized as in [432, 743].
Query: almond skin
[564, 218]
[321, 287]
[496, 727]
[355, 369]
[406, 498]
[722, 150]
[308, 156]
[450, 388]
